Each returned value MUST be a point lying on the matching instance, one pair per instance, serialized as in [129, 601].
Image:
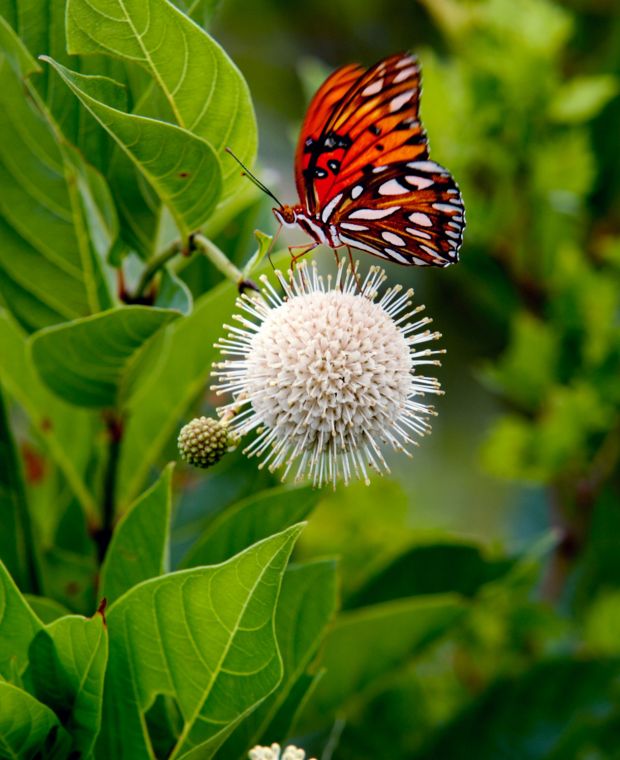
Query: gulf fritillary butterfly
[363, 172]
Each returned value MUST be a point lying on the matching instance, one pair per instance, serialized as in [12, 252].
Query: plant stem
[217, 257]
[103, 535]
[153, 267]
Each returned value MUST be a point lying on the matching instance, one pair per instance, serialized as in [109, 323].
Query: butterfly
[363, 172]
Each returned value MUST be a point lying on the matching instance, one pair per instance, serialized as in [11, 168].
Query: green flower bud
[204, 441]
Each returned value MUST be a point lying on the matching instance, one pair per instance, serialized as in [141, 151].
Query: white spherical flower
[326, 373]
[273, 753]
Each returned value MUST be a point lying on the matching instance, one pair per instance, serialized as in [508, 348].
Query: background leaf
[139, 548]
[28, 728]
[67, 669]
[249, 521]
[394, 633]
[90, 361]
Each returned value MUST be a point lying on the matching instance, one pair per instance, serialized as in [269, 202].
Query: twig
[217, 257]
[103, 534]
[151, 269]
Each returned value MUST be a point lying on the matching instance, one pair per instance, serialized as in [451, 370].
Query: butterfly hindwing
[409, 213]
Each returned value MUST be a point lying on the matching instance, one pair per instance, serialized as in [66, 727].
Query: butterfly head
[287, 215]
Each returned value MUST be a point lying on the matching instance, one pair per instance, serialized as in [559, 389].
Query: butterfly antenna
[252, 178]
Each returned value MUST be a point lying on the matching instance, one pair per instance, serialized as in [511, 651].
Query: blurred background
[521, 103]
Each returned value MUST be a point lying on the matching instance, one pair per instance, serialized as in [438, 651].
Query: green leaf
[140, 543]
[92, 361]
[307, 603]
[18, 626]
[204, 637]
[204, 89]
[582, 98]
[441, 568]
[16, 541]
[173, 293]
[47, 610]
[525, 381]
[63, 430]
[28, 728]
[56, 219]
[249, 521]
[182, 167]
[372, 643]
[67, 669]
[556, 710]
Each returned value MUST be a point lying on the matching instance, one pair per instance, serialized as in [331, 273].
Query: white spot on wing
[399, 101]
[328, 210]
[357, 191]
[406, 60]
[392, 187]
[405, 74]
[422, 219]
[430, 251]
[420, 182]
[391, 237]
[397, 256]
[373, 88]
[352, 227]
[447, 207]
[362, 246]
[373, 213]
[418, 233]
[427, 166]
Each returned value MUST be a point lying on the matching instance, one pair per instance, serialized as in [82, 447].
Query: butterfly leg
[303, 250]
[354, 270]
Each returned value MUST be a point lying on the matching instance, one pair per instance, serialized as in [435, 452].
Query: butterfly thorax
[298, 216]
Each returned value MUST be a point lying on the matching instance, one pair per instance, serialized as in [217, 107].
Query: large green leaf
[18, 626]
[28, 728]
[204, 637]
[205, 90]
[307, 603]
[249, 521]
[140, 544]
[64, 430]
[557, 710]
[56, 216]
[372, 643]
[181, 166]
[66, 672]
[93, 361]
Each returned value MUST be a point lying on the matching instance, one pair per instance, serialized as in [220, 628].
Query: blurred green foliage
[474, 610]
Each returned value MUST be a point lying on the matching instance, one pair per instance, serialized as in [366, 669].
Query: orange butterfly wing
[363, 151]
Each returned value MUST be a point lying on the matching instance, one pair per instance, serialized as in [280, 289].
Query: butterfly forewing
[362, 167]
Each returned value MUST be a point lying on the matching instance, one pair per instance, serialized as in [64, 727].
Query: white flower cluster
[273, 753]
[327, 373]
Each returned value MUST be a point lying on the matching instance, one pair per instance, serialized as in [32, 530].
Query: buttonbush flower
[326, 373]
[273, 753]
